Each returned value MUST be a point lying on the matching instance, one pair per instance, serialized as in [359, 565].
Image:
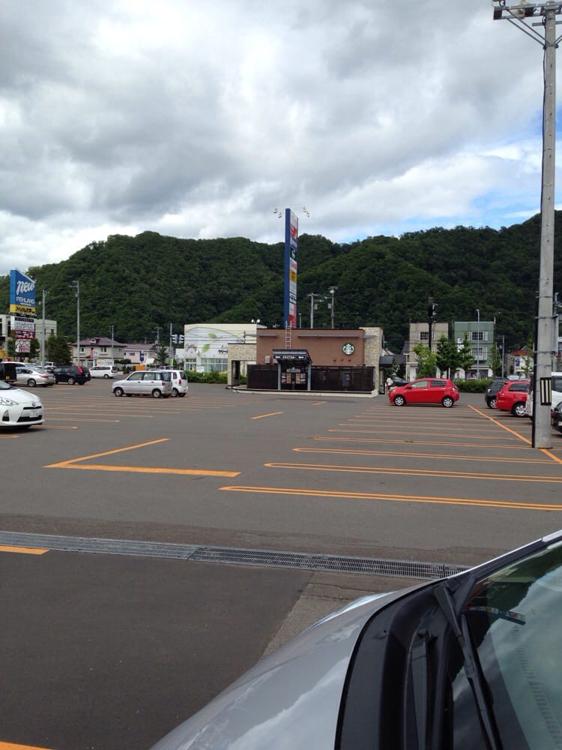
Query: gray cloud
[197, 119]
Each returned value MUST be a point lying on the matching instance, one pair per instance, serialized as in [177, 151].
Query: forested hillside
[139, 283]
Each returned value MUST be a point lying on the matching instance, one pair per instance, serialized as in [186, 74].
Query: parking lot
[112, 650]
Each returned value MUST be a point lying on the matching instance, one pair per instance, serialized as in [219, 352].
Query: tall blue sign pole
[291, 248]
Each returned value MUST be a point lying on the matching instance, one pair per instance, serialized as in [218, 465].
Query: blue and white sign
[22, 293]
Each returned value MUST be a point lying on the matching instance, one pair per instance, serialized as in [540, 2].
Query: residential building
[419, 334]
[50, 329]
[480, 335]
[98, 350]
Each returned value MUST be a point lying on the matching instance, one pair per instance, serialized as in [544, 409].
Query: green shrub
[206, 377]
[473, 386]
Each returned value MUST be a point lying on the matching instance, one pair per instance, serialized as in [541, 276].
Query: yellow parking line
[271, 414]
[499, 424]
[9, 437]
[148, 470]
[12, 746]
[22, 551]
[106, 453]
[406, 441]
[551, 455]
[426, 499]
[412, 454]
[317, 403]
[397, 471]
[79, 419]
[410, 432]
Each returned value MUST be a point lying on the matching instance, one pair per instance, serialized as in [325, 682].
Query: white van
[104, 371]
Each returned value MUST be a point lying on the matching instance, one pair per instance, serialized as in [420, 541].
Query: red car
[425, 391]
[513, 397]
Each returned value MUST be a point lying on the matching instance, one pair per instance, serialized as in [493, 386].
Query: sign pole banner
[291, 248]
[22, 294]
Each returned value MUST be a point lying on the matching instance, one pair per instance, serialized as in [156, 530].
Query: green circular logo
[348, 348]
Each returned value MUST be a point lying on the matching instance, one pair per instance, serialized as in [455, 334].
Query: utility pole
[519, 15]
[76, 285]
[170, 346]
[431, 315]
[44, 297]
[478, 347]
[112, 340]
[333, 290]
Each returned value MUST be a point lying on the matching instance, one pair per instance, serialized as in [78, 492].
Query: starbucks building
[317, 359]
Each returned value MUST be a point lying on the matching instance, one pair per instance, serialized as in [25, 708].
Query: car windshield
[514, 622]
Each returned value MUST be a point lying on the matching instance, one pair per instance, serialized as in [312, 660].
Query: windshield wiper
[460, 630]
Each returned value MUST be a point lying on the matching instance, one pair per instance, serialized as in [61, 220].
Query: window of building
[424, 335]
[191, 364]
[479, 335]
[480, 353]
[214, 364]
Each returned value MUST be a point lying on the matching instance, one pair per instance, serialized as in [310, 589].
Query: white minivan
[104, 371]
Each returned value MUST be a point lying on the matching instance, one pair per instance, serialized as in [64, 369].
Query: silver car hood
[288, 700]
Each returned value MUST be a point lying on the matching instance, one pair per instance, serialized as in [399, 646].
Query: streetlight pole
[76, 285]
[478, 347]
[332, 291]
[112, 340]
[518, 15]
[44, 297]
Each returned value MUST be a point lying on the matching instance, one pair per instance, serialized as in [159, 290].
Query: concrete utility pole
[42, 350]
[520, 15]
[478, 345]
[112, 340]
[333, 290]
[76, 285]
[312, 296]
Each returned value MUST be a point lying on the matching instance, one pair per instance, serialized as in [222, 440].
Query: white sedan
[19, 408]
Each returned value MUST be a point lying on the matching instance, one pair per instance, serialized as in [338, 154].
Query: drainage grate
[233, 555]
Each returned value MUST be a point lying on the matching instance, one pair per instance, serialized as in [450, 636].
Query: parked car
[556, 394]
[556, 417]
[512, 397]
[70, 374]
[469, 661]
[18, 408]
[32, 376]
[155, 383]
[425, 391]
[492, 391]
[104, 371]
[179, 382]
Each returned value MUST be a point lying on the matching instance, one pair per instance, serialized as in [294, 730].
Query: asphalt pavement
[111, 651]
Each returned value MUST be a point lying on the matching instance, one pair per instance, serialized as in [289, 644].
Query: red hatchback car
[425, 391]
[513, 397]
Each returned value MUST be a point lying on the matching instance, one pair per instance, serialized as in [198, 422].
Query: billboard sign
[23, 346]
[22, 294]
[291, 266]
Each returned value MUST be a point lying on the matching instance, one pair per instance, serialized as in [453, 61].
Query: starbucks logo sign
[348, 348]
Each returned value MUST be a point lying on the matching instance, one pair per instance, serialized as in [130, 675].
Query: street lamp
[478, 349]
[332, 291]
[520, 15]
[76, 285]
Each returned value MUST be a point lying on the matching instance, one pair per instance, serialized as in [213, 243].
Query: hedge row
[206, 377]
[473, 386]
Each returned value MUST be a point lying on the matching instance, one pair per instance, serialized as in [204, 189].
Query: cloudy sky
[197, 118]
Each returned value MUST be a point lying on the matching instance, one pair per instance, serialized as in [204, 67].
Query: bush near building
[477, 385]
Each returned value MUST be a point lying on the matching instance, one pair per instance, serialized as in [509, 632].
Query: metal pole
[542, 432]
[77, 283]
[112, 340]
[478, 350]
[43, 330]
[170, 346]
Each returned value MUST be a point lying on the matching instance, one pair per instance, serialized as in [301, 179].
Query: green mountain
[139, 283]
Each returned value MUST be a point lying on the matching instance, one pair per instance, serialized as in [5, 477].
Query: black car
[492, 391]
[70, 374]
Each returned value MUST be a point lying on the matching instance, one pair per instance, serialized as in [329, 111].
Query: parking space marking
[317, 403]
[23, 551]
[433, 473]
[425, 499]
[511, 446]
[271, 414]
[111, 452]
[410, 432]
[78, 463]
[9, 437]
[81, 419]
[12, 746]
[412, 454]
[499, 424]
